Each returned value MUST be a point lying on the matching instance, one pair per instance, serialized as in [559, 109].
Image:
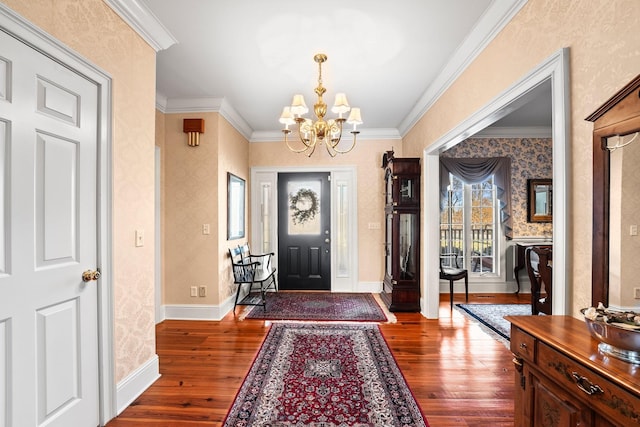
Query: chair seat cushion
[453, 271]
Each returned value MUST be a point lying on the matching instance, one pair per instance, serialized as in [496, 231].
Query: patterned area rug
[324, 375]
[491, 317]
[328, 306]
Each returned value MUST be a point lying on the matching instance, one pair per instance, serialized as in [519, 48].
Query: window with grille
[468, 221]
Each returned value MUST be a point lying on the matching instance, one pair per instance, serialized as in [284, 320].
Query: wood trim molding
[619, 115]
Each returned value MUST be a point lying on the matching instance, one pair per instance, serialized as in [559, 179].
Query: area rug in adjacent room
[491, 317]
[328, 306]
[324, 375]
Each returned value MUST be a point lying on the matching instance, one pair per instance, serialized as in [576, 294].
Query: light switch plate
[139, 238]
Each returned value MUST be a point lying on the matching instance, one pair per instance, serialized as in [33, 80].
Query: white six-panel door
[48, 237]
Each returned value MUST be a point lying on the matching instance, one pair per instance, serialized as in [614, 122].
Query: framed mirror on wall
[235, 206]
[539, 200]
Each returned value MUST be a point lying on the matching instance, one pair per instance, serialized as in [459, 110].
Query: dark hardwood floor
[459, 375]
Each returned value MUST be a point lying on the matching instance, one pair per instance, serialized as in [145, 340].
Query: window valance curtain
[476, 170]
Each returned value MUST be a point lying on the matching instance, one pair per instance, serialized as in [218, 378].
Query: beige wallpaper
[531, 158]
[160, 143]
[367, 159]
[233, 157]
[604, 55]
[195, 193]
[191, 200]
[92, 29]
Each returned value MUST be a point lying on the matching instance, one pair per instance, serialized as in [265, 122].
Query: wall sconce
[193, 128]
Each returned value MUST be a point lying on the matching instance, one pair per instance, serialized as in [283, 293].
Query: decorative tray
[617, 331]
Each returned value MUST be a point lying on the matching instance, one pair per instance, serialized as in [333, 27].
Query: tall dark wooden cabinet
[401, 285]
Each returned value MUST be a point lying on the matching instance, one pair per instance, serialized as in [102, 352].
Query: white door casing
[556, 70]
[344, 220]
[49, 333]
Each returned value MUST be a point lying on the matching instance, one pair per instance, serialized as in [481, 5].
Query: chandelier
[312, 134]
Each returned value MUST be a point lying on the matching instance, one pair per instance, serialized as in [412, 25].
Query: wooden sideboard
[563, 380]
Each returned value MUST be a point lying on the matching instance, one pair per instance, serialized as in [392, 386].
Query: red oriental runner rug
[327, 306]
[324, 375]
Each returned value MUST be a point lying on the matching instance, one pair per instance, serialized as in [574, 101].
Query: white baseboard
[364, 287]
[486, 287]
[137, 382]
[160, 314]
[197, 311]
[217, 312]
[193, 312]
[370, 287]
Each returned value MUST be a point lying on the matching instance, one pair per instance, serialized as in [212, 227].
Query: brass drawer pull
[518, 363]
[523, 346]
[585, 385]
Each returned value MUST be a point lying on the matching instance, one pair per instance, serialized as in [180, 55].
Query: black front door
[304, 231]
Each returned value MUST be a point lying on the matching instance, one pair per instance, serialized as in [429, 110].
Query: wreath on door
[303, 205]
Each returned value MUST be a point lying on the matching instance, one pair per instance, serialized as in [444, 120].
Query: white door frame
[341, 175]
[158, 236]
[556, 69]
[18, 27]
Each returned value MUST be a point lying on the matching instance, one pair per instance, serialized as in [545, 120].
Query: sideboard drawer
[619, 405]
[522, 344]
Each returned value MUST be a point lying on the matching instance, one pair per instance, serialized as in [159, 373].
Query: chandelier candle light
[315, 133]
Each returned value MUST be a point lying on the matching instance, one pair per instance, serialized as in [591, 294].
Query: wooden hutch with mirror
[401, 285]
[562, 376]
[615, 124]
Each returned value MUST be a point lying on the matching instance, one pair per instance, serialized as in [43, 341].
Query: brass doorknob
[90, 275]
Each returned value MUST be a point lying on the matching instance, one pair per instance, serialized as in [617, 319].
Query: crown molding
[368, 134]
[222, 106]
[144, 22]
[192, 105]
[492, 22]
[235, 119]
[161, 102]
[204, 105]
[515, 132]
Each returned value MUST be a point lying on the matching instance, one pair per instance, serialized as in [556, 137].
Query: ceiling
[247, 58]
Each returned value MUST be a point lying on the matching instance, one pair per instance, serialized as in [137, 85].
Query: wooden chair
[255, 272]
[538, 261]
[451, 271]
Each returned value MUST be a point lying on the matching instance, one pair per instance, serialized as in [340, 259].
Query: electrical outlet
[206, 229]
[194, 291]
[203, 291]
[636, 293]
